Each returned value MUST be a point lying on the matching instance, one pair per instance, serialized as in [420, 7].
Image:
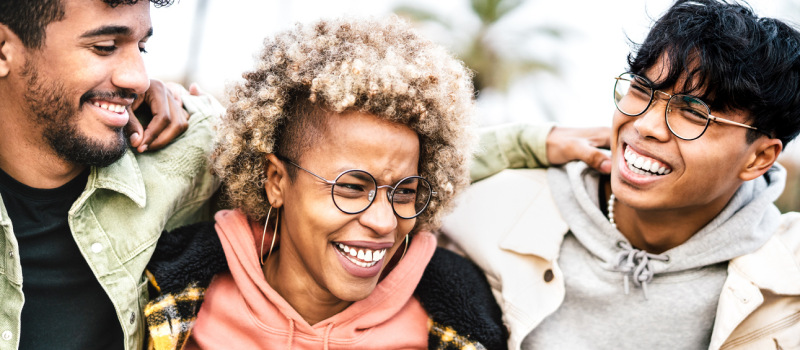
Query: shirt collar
[122, 176]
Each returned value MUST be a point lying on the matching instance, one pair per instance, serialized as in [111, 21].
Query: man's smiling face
[696, 173]
[79, 84]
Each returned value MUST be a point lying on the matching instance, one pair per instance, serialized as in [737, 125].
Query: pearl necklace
[611, 201]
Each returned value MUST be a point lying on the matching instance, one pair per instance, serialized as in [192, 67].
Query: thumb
[134, 129]
[596, 159]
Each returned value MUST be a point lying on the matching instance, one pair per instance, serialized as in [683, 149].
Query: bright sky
[592, 53]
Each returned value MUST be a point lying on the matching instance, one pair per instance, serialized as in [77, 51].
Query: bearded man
[80, 211]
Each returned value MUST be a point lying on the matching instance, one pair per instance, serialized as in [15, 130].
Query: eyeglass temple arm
[731, 122]
[308, 171]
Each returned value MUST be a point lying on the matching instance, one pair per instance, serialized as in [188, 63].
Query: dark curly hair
[731, 59]
[29, 18]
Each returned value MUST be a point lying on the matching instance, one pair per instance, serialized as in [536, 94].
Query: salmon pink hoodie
[242, 311]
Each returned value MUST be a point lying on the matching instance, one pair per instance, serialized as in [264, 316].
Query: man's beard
[50, 105]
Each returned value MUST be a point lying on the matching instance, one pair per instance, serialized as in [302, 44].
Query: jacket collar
[772, 267]
[123, 176]
[539, 230]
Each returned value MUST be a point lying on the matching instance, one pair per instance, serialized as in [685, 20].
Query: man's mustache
[107, 95]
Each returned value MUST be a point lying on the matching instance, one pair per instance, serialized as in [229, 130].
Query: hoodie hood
[744, 225]
[242, 310]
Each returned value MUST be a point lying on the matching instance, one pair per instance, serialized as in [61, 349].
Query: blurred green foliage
[790, 199]
[494, 66]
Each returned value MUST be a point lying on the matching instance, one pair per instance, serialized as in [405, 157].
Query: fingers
[169, 120]
[595, 158]
[568, 144]
[176, 90]
[195, 90]
[158, 100]
[179, 123]
[134, 129]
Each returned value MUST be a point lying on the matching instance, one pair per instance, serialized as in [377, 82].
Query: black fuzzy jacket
[454, 292]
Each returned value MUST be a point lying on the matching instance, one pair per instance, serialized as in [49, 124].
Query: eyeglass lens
[355, 190]
[687, 116]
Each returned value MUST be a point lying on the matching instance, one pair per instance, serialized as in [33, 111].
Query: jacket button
[548, 275]
[7, 335]
[11, 255]
[133, 317]
[97, 247]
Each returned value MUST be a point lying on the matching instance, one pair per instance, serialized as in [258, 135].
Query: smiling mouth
[113, 107]
[643, 165]
[362, 257]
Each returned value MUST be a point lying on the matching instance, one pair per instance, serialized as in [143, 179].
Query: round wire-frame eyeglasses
[416, 192]
[699, 115]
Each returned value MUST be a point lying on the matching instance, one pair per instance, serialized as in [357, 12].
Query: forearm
[511, 146]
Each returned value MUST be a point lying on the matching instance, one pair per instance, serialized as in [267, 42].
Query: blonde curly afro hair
[380, 67]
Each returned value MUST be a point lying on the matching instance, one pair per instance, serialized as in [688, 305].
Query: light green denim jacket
[511, 146]
[119, 217]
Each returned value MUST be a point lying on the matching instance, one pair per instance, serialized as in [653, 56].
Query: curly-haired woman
[341, 151]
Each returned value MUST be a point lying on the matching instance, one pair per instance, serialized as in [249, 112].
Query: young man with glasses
[681, 246]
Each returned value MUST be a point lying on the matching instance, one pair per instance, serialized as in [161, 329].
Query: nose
[652, 123]
[380, 216]
[130, 72]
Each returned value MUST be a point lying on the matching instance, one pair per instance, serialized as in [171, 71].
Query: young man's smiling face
[701, 173]
[78, 86]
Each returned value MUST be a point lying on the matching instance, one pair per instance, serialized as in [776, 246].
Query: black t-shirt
[65, 306]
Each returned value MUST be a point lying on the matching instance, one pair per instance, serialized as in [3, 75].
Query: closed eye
[105, 48]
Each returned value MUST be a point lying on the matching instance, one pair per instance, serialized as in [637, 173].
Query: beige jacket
[517, 244]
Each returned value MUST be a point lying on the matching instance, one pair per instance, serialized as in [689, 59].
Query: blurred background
[535, 60]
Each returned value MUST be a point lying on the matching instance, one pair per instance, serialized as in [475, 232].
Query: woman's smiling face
[317, 239]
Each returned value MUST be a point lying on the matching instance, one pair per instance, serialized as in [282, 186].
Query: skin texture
[662, 214]
[305, 269]
[69, 65]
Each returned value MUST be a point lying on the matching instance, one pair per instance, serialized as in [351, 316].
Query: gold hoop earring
[275, 234]
[406, 249]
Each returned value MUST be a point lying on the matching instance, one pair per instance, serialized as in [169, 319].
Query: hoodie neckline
[744, 225]
[238, 237]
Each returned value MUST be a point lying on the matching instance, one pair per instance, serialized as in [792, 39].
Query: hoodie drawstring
[291, 334]
[632, 261]
[327, 335]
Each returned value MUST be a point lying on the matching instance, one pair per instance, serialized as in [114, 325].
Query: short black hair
[731, 59]
[29, 18]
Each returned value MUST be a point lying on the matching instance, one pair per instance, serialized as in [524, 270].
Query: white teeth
[646, 165]
[110, 106]
[362, 257]
[639, 161]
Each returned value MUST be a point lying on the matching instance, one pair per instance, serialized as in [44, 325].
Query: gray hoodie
[671, 303]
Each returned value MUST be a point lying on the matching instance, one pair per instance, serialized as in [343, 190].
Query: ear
[277, 180]
[764, 153]
[11, 50]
